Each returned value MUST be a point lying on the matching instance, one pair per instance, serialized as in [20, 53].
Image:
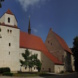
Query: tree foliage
[30, 60]
[1, 2]
[75, 52]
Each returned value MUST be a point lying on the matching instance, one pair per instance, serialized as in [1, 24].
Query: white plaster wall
[4, 19]
[12, 60]
[22, 50]
[9, 60]
[64, 61]
[10, 55]
[58, 68]
[72, 62]
[12, 19]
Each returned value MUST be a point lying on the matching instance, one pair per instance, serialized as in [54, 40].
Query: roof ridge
[58, 35]
[62, 42]
[31, 34]
[9, 12]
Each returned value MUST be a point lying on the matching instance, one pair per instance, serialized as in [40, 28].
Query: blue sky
[60, 15]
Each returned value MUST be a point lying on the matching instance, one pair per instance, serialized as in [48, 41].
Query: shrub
[7, 74]
[1, 70]
[6, 69]
[61, 72]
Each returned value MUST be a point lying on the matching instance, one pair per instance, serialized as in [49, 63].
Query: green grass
[29, 74]
[32, 74]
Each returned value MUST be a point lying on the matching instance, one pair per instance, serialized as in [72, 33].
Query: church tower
[29, 28]
[9, 41]
[8, 18]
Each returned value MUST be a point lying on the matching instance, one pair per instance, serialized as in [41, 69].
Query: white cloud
[30, 3]
[34, 30]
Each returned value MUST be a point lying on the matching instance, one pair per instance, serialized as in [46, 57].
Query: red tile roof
[63, 43]
[33, 42]
[9, 12]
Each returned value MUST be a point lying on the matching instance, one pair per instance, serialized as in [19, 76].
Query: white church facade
[14, 42]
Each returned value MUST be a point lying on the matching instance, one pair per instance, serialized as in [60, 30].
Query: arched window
[8, 20]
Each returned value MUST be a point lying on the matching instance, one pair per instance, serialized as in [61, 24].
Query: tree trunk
[31, 69]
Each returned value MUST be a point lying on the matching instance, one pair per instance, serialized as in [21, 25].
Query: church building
[54, 54]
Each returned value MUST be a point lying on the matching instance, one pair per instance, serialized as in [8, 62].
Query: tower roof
[9, 12]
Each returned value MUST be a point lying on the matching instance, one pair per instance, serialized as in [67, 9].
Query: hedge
[6, 69]
[7, 74]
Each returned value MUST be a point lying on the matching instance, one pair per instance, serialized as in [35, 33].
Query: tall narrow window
[9, 44]
[8, 20]
[34, 68]
[0, 29]
[9, 53]
[8, 30]
[51, 43]
[48, 41]
[25, 67]
[0, 36]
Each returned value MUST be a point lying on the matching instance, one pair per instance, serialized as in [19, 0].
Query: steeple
[29, 28]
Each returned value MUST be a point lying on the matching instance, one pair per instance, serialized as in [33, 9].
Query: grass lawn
[28, 74]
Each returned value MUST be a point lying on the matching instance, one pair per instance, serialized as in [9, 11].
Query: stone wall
[53, 46]
[4, 19]
[47, 64]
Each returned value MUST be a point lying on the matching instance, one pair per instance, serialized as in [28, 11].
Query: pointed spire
[9, 12]
[50, 29]
[29, 28]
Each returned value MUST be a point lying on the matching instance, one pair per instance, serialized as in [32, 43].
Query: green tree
[75, 52]
[38, 64]
[0, 3]
[30, 60]
[25, 62]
